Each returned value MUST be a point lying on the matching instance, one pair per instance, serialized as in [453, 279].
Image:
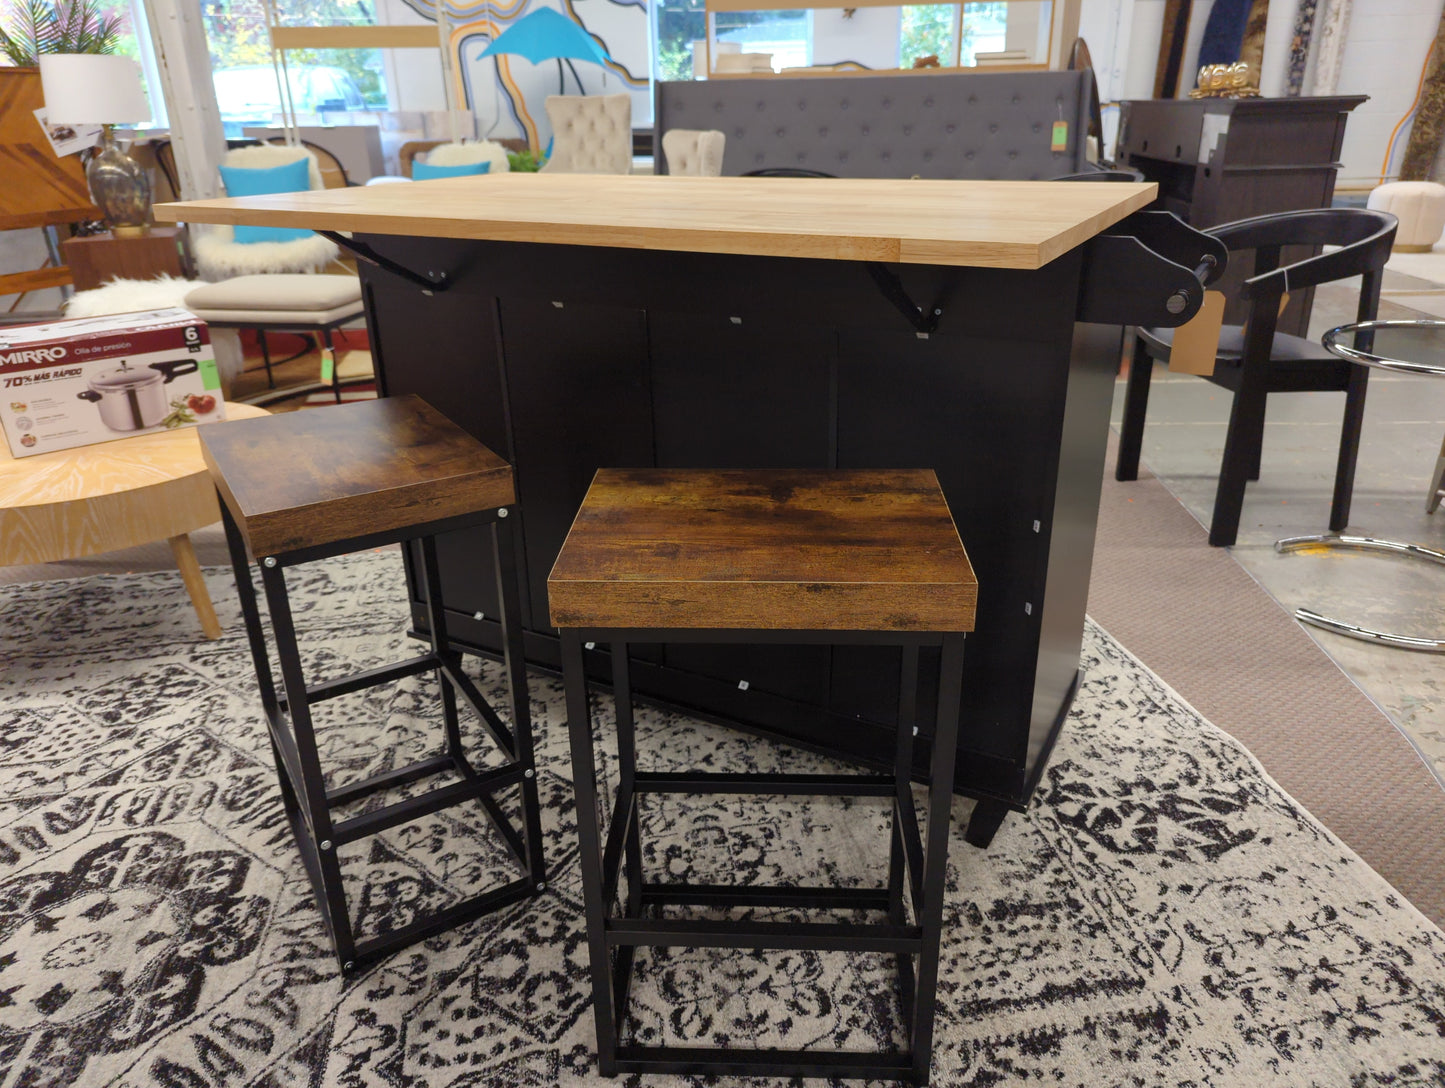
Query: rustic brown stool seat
[785, 556]
[314, 484]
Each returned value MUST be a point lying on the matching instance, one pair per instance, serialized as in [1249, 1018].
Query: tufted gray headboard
[986, 125]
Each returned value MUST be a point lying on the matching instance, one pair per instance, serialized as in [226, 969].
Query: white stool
[284, 302]
[1420, 207]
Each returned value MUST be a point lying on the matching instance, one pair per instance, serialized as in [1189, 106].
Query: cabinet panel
[745, 395]
[577, 390]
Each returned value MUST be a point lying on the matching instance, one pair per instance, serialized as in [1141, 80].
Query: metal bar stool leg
[589, 835]
[314, 837]
[626, 807]
[935, 861]
[514, 665]
[899, 882]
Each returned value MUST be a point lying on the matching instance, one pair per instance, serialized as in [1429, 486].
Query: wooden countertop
[989, 224]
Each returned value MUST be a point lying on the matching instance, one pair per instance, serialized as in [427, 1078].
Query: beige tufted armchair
[693, 153]
[592, 134]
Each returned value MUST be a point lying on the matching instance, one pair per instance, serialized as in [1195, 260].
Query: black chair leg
[1256, 449]
[266, 357]
[1349, 447]
[1136, 403]
[1241, 452]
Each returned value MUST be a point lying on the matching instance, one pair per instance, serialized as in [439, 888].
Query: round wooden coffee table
[80, 502]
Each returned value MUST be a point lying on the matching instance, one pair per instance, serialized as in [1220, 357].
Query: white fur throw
[464, 154]
[219, 256]
[127, 296]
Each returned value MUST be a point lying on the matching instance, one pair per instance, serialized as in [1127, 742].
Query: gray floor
[1404, 423]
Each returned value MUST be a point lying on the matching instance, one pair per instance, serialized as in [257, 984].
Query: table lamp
[97, 89]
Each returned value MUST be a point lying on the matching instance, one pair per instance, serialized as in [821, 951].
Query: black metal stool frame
[916, 870]
[308, 802]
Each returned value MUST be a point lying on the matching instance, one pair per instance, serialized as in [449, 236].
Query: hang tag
[1196, 342]
[328, 368]
[1060, 139]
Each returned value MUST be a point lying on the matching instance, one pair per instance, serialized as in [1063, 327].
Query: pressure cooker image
[133, 398]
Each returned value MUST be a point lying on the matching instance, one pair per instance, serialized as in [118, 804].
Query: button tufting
[928, 101]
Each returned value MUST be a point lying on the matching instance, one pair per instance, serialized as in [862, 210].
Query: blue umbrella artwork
[547, 34]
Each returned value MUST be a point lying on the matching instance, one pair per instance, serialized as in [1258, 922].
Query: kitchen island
[572, 322]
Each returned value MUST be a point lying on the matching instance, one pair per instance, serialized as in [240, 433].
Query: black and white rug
[1163, 915]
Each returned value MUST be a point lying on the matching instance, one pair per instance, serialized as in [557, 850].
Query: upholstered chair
[591, 134]
[693, 153]
[220, 256]
[467, 154]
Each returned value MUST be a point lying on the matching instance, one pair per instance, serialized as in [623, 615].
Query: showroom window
[321, 81]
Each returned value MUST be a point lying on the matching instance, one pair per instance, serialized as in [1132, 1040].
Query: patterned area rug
[1163, 915]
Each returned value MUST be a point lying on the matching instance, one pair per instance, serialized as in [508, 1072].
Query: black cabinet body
[568, 358]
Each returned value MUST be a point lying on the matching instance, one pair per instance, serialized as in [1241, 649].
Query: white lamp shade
[92, 89]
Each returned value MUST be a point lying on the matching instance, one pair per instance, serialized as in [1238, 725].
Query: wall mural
[506, 92]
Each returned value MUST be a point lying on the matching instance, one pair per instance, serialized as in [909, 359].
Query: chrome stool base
[1372, 544]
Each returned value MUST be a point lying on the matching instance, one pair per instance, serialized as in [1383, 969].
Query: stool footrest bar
[443, 920]
[783, 785]
[371, 678]
[684, 1060]
[501, 735]
[616, 842]
[817, 936]
[912, 843]
[414, 808]
[504, 827]
[401, 776]
[738, 895]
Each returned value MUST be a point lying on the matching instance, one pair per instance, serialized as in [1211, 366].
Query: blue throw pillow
[422, 171]
[291, 177]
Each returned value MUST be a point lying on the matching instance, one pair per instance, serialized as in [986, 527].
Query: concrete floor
[1404, 423]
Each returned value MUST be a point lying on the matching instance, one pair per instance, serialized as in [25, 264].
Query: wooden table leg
[190, 569]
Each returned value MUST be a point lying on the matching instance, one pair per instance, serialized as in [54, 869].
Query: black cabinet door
[577, 391]
[441, 348]
[983, 413]
[744, 394]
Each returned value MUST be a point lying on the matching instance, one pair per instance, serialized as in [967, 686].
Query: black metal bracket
[429, 282]
[1150, 269]
[924, 321]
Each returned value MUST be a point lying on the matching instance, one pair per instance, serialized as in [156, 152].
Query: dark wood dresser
[1221, 159]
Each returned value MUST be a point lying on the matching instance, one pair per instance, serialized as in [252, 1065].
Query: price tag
[1060, 139]
[328, 368]
[1196, 342]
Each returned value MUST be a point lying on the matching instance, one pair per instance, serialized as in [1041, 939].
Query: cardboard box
[95, 379]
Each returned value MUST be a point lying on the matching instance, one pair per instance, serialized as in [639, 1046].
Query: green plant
[525, 162]
[33, 27]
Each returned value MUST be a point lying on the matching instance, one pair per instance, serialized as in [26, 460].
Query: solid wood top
[107, 468]
[992, 224]
[330, 474]
[790, 549]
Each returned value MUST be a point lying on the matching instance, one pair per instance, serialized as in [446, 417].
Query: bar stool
[314, 484]
[818, 556]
